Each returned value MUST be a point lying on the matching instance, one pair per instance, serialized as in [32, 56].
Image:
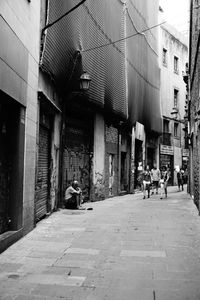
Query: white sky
[176, 13]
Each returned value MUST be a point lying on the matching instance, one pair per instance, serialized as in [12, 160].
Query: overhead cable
[125, 38]
[138, 32]
[61, 17]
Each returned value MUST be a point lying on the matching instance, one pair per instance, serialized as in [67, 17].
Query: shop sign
[186, 152]
[168, 150]
[139, 133]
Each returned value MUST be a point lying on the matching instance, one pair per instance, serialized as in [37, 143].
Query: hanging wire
[138, 32]
[125, 38]
[61, 17]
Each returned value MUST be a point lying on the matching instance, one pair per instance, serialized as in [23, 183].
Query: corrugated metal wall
[125, 75]
[142, 64]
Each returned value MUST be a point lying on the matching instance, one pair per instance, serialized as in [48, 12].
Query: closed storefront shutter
[42, 186]
[4, 182]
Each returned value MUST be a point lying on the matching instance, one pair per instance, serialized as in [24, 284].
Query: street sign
[164, 149]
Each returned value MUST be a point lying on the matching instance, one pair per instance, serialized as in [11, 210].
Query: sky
[176, 13]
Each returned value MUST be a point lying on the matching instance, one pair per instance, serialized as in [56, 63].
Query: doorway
[138, 162]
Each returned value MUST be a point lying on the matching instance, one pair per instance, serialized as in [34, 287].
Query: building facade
[51, 132]
[194, 100]
[19, 59]
[173, 56]
[121, 93]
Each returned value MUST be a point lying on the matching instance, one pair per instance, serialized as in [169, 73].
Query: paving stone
[53, 279]
[89, 264]
[75, 229]
[12, 288]
[30, 297]
[178, 275]
[142, 253]
[10, 267]
[119, 294]
[83, 251]
[125, 248]
[61, 292]
[177, 295]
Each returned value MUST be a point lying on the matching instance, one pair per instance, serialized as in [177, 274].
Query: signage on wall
[168, 150]
[186, 152]
[139, 131]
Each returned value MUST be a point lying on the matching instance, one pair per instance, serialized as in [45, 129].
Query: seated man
[73, 196]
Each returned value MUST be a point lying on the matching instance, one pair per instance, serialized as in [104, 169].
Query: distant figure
[73, 196]
[146, 181]
[180, 177]
[185, 176]
[162, 186]
[165, 177]
[155, 177]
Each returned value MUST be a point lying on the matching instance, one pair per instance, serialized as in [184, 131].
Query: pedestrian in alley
[179, 180]
[164, 181]
[155, 177]
[73, 196]
[146, 181]
[162, 186]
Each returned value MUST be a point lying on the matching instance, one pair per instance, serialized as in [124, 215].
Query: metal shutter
[42, 187]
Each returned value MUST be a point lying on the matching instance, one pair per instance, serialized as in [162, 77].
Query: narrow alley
[124, 248]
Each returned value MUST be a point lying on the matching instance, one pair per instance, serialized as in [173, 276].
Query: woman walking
[146, 181]
[164, 181]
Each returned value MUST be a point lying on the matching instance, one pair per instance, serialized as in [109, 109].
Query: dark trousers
[73, 202]
[180, 184]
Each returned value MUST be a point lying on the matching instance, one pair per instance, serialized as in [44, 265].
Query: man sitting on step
[73, 196]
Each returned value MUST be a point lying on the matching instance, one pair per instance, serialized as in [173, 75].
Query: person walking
[146, 181]
[180, 179]
[155, 177]
[162, 185]
[165, 178]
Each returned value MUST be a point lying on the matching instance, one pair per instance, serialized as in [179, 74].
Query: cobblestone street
[125, 248]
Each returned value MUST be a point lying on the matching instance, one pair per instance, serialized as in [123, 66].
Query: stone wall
[23, 18]
[194, 106]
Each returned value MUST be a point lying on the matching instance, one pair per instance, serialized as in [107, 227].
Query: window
[176, 64]
[175, 98]
[164, 57]
[176, 129]
[166, 136]
[165, 126]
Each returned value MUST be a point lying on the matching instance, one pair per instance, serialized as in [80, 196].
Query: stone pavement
[125, 248]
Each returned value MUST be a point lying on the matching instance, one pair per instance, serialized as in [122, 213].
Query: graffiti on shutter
[77, 159]
[111, 173]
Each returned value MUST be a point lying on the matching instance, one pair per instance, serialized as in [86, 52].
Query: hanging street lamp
[85, 81]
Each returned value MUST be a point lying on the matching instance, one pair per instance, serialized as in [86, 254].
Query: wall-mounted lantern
[85, 81]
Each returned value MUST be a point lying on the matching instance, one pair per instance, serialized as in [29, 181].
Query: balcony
[166, 138]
